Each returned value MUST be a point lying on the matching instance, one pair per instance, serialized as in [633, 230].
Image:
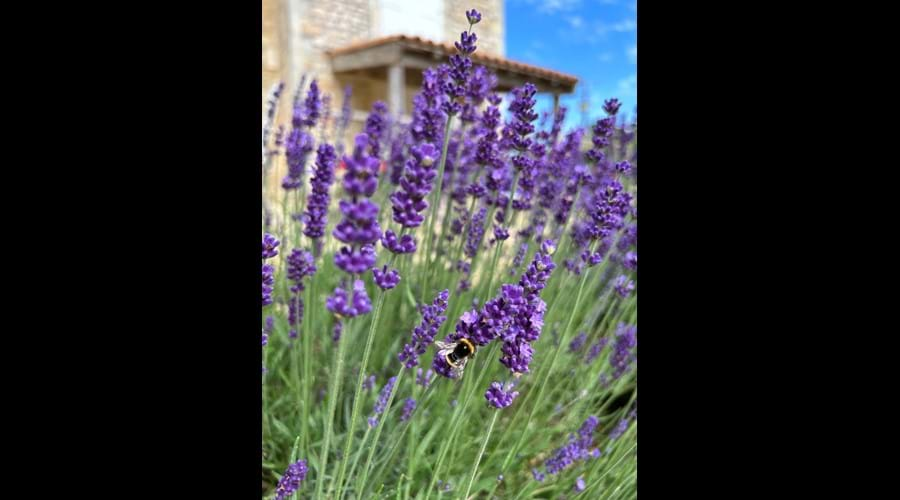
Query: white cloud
[601, 28]
[631, 52]
[605, 57]
[625, 25]
[628, 86]
[576, 21]
[553, 6]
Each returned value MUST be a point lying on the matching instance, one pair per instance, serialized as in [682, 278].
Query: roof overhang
[419, 53]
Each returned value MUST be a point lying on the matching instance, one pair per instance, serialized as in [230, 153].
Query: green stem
[399, 436]
[307, 345]
[333, 390]
[387, 407]
[435, 196]
[354, 413]
[359, 453]
[487, 437]
[410, 444]
[456, 420]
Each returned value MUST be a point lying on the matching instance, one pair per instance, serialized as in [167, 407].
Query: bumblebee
[456, 354]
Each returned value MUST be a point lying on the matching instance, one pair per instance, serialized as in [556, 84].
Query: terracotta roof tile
[447, 49]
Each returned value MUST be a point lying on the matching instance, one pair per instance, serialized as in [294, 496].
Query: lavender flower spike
[386, 279]
[269, 246]
[498, 398]
[381, 403]
[409, 406]
[317, 207]
[290, 481]
[423, 334]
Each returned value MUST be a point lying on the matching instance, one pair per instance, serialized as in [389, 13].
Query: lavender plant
[495, 232]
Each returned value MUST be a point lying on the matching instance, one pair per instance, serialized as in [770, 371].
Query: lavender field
[388, 257]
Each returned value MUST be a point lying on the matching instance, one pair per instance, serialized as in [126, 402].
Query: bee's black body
[456, 354]
[461, 351]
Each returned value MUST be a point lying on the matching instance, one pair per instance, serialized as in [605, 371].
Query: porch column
[396, 89]
[555, 103]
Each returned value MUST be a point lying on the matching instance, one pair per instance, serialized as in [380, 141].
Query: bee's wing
[460, 366]
[444, 345]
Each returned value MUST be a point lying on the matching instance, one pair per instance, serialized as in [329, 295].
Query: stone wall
[296, 34]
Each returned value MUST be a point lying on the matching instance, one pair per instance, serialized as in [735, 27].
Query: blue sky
[595, 40]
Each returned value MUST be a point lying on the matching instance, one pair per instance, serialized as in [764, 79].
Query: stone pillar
[555, 103]
[396, 89]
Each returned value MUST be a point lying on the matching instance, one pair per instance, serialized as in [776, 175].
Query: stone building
[380, 47]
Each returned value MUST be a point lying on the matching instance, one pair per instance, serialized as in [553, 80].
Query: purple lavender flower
[355, 261]
[500, 233]
[317, 206]
[441, 367]
[338, 302]
[396, 158]
[300, 264]
[602, 130]
[498, 398]
[476, 232]
[268, 283]
[473, 16]
[611, 106]
[428, 117]
[528, 320]
[520, 256]
[466, 43]
[381, 403]
[595, 350]
[271, 105]
[409, 406]
[361, 177]
[312, 107]
[406, 243]
[409, 201]
[620, 429]
[578, 342]
[538, 475]
[386, 279]
[423, 334]
[578, 448]
[579, 484]
[344, 119]
[298, 145]
[515, 316]
[623, 167]
[630, 261]
[290, 481]
[369, 383]
[265, 338]
[458, 71]
[424, 379]
[337, 330]
[522, 109]
[269, 246]
[624, 286]
[375, 126]
[622, 355]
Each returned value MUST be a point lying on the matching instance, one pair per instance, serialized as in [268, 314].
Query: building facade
[380, 48]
